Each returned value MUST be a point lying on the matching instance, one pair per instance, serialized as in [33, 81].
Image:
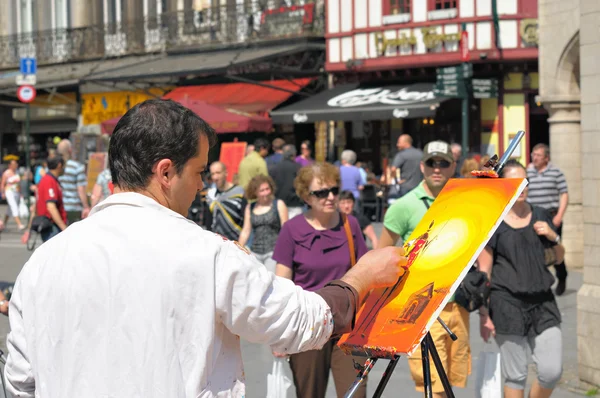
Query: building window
[25, 16]
[443, 4]
[393, 7]
[399, 6]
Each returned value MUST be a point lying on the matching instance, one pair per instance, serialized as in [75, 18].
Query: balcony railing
[209, 28]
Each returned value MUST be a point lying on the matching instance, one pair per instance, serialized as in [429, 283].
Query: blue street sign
[28, 66]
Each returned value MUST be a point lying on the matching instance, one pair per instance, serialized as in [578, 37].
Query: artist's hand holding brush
[376, 269]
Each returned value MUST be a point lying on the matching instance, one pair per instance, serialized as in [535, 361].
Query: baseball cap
[437, 149]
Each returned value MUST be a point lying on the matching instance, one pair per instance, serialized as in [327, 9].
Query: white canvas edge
[464, 272]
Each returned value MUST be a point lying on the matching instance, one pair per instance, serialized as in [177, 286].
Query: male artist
[438, 166]
[144, 303]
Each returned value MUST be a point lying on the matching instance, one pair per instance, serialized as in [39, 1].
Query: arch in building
[567, 74]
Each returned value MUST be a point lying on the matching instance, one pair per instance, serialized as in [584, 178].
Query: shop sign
[431, 39]
[529, 32]
[400, 113]
[382, 43]
[300, 117]
[284, 21]
[361, 97]
[100, 107]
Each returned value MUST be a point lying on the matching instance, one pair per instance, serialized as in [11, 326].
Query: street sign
[26, 80]
[464, 46]
[485, 88]
[26, 94]
[28, 66]
[464, 70]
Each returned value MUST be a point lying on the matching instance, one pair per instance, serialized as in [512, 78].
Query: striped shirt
[545, 187]
[73, 177]
[227, 210]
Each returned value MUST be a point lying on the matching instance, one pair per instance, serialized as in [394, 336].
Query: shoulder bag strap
[350, 240]
[425, 202]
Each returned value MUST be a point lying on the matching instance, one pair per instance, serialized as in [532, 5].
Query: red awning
[222, 120]
[244, 97]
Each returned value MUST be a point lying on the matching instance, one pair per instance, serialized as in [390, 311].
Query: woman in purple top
[304, 158]
[312, 250]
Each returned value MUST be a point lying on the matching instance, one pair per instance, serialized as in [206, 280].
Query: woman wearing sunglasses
[312, 250]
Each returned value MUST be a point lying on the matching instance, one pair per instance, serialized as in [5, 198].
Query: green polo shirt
[404, 214]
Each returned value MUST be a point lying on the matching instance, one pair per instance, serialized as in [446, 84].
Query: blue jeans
[50, 233]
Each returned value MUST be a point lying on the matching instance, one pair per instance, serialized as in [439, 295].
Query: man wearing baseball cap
[437, 166]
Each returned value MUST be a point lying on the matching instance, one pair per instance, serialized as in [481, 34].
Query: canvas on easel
[440, 251]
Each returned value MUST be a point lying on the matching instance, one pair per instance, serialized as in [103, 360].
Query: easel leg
[439, 367]
[386, 377]
[361, 377]
[426, 368]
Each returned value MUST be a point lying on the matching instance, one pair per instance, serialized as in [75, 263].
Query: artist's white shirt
[137, 301]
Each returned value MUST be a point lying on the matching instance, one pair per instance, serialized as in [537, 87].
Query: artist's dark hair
[54, 161]
[150, 131]
[347, 195]
[260, 143]
[511, 164]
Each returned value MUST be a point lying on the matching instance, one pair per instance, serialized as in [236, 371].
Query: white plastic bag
[278, 382]
[23, 211]
[489, 375]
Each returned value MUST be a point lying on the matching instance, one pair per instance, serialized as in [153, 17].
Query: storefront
[368, 115]
[384, 43]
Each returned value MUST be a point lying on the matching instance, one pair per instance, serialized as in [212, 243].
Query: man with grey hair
[284, 173]
[350, 175]
[548, 189]
[73, 183]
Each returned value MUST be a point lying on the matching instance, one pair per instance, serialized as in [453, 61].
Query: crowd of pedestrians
[305, 221]
[313, 247]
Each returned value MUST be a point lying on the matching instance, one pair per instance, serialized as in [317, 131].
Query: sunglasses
[442, 164]
[324, 193]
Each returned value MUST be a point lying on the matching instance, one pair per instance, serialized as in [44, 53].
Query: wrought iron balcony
[194, 30]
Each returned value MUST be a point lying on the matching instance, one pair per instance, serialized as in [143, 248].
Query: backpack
[474, 290]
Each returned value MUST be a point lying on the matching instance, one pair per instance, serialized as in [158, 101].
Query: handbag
[350, 240]
[488, 383]
[41, 224]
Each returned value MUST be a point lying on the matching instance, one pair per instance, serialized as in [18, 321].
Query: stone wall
[560, 94]
[589, 294]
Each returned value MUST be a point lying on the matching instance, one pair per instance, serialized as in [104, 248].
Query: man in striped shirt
[548, 189]
[73, 183]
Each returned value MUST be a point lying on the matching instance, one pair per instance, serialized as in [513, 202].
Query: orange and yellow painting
[440, 251]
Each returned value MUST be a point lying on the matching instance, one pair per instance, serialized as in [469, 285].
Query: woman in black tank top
[263, 219]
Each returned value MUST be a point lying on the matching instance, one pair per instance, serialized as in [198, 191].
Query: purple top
[351, 179]
[303, 162]
[317, 257]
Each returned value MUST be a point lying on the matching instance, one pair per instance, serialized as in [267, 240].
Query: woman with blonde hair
[264, 217]
[468, 166]
[312, 250]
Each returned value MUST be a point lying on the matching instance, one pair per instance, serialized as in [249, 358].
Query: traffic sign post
[28, 66]
[26, 94]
